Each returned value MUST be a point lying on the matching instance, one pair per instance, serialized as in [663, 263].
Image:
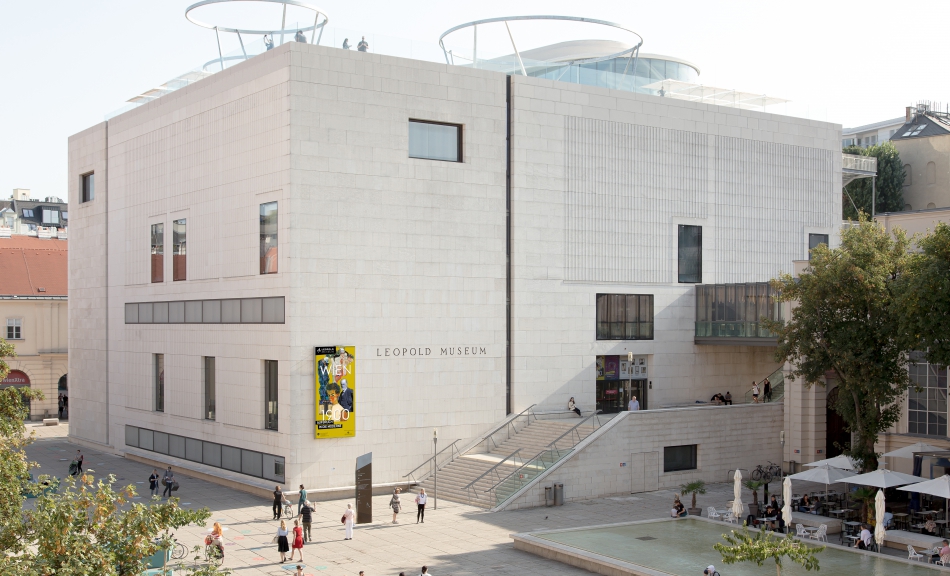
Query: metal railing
[492, 470]
[508, 426]
[455, 453]
[506, 487]
[856, 162]
[777, 380]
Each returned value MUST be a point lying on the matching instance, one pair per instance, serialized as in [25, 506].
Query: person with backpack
[168, 479]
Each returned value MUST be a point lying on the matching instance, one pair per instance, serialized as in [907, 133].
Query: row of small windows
[223, 311]
[209, 388]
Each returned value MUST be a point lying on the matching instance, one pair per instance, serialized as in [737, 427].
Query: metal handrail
[452, 445]
[525, 465]
[579, 424]
[492, 469]
[505, 424]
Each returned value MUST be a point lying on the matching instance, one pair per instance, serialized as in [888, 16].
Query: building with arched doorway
[33, 317]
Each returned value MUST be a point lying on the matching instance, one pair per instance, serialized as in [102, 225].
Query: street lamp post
[435, 459]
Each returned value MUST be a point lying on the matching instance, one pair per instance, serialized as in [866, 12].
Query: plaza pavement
[456, 539]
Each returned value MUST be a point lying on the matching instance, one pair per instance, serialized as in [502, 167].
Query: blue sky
[66, 64]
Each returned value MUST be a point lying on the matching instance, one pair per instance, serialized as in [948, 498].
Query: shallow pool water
[685, 547]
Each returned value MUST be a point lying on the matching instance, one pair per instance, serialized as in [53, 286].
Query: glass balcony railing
[733, 330]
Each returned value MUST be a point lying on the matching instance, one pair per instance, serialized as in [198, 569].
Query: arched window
[907, 177]
[931, 205]
[931, 173]
[908, 207]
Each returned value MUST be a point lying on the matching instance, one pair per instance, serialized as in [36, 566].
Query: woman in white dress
[348, 517]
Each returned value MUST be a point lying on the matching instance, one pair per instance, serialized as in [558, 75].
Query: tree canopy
[845, 320]
[744, 547]
[889, 183]
[924, 297]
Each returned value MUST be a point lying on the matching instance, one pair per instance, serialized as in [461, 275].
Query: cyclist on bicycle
[216, 538]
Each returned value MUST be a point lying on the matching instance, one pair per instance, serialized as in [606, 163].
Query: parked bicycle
[767, 473]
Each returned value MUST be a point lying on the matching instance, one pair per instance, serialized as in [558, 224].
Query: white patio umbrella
[908, 451]
[737, 508]
[842, 462]
[879, 531]
[882, 478]
[936, 487]
[823, 475]
[787, 499]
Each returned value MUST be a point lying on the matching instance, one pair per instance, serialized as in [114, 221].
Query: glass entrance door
[610, 394]
[633, 388]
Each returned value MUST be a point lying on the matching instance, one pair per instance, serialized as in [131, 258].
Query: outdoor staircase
[455, 478]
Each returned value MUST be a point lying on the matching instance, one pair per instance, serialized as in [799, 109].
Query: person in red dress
[298, 541]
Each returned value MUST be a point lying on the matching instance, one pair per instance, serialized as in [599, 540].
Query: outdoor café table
[851, 527]
[900, 519]
[852, 540]
[837, 513]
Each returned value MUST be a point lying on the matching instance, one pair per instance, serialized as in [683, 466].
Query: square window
[435, 141]
[14, 329]
[676, 458]
[624, 317]
[815, 240]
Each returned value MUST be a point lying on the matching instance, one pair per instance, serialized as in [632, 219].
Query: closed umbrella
[936, 487]
[787, 499]
[737, 508]
[879, 531]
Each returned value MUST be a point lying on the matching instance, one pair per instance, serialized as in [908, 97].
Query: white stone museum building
[456, 244]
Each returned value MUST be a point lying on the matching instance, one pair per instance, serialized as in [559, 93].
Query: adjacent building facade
[33, 317]
[318, 240]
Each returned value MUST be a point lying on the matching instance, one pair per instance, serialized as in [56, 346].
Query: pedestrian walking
[755, 393]
[395, 505]
[363, 46]
[282, 546]
[278, 500]
[168, 479]
[298, 541]
[301, 499]
[79, 461]
[61, 405]
[153, 482]
[768, 390]
[306, 518]
[421, 506]
[634, 404]
[425, 571]
[348, 522]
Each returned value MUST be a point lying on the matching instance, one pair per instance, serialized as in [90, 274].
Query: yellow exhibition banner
[335, 380]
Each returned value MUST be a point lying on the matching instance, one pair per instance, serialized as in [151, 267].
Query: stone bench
[50, 421]
[814, 520]
[901, 538]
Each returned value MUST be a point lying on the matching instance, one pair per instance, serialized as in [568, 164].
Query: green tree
[80, 527]
[924, 297]
[744, 547]
[695, 487]
[845, 320]
[889, 183]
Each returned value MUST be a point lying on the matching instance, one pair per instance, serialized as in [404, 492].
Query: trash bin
[559, 494]
[549, 495]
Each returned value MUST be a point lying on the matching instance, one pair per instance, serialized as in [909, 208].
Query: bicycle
[288, 510]
[766, 474]
[214, 554]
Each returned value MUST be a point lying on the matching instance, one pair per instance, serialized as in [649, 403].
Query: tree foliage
[77, 527]
[924, 297]
[695, 487]
[741, 546]
[845, 320]
[889, 183]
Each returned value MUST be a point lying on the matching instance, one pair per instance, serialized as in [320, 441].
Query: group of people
[719, 400]
[167, 479]
[362, 46]
[766, 388]
[63, 405]
[421, 498]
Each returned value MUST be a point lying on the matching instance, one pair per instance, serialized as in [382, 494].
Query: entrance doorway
[836, 433]
[613, 395]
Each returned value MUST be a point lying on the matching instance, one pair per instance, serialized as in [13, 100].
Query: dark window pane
[159, 382]
[814, 240]
[158, 252]
[88, 185]
[679, 458]
[209, 388]
[269, 238]
[179, 249]
[270, 394]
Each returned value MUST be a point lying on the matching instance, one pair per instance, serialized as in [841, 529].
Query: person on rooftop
[299, 37]
[346, 43]
[363, 46]
[268, 42]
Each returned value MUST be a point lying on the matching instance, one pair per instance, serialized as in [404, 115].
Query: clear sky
[66, 64]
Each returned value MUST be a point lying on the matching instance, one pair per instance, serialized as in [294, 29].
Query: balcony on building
[733, 314]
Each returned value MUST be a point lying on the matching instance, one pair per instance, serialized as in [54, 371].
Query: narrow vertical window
[270, 394]
[209, 387]
[179, 250]
[690, 253]
[158, 252]
[269, 238]
[87, 187]
[159, 382]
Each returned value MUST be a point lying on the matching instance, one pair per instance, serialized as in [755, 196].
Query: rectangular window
[269, 238]
[927, 408]
[435, 141]
[179, 250]
[209, 387]
[50, 216]
[158, 253]
[814, 240]
[159, 382]
[87, 187]
[690, 254]
[14, 326]
[676, 458]
[625, 317]
[270, 394]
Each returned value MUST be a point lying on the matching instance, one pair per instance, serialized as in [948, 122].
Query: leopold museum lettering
[437, 351]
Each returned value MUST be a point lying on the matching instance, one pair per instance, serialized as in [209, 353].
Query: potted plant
[694, 488]
[742, 546]
[754, 486]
